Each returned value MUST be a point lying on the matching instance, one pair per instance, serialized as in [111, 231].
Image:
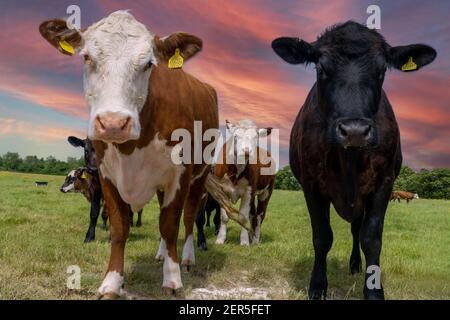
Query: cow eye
[320, 71]
[148, 66]
[87, 59]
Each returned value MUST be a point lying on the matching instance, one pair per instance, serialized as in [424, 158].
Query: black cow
[345, 143]
[207, 205]
[95, 187]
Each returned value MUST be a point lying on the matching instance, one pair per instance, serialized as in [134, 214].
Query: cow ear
[264, 132]
[294, 50]
[76, 142]
[230, 126]
[60, 36]
[412, 57]
[188, 44]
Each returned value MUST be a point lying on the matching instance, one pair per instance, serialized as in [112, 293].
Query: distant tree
[285, 180]
[11, 161]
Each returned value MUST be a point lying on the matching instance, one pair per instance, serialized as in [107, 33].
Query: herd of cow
[344, 146]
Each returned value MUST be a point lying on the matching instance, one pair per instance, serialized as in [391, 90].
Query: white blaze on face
[69, 185]
[119, 52]
[245, 136]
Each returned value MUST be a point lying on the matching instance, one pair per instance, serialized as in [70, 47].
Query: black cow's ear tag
[83, 175]
[410, 65]
[176, 61]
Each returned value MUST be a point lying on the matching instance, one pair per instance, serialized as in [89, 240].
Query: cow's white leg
[112, 284]
[244, 211]
[257, 235]
[222, 235]
[172, 274]
[188, 252]
[162, 251]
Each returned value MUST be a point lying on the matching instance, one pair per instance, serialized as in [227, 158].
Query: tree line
[430, 184]
[11, 161]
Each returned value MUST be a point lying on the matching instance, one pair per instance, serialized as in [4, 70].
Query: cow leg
[247, 209]
[222, 235]
[131, 214]
[355, 258]
[217, 220]
[371, 240]
[319, 211]
[200, 222]
[162, 251]
[169, 225]
[208, 217]
[105, 217]
[119, 229]
[93, 215]
[139, 219]
[194, 202]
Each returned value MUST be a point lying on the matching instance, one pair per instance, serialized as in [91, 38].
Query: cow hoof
[173, 293]
[89, 239]
[355, 267]
[138, 224]
[245, 243]
[186, 265]
[107, 296]
[202, 246]
[373, 294]
[159, 258]
[317, 294]
[220, 241]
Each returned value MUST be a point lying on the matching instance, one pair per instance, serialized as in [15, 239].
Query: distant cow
[138, 95]
[80, 180]
[41, 183]
[403, 195]
[208, 205]
[345, 143]
[247, 182]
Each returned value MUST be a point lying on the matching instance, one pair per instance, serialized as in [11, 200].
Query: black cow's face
[70, 184]
[351, 61]
[90, 158]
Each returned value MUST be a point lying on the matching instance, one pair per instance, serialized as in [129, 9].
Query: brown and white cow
[136, 103]
[247, 179]
[403, 195]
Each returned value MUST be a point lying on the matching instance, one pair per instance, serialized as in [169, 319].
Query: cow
[345, 142]
[80, 180]
[90, 160]
[139, 94]
[403, 195]
[246, 179]
[207, 205]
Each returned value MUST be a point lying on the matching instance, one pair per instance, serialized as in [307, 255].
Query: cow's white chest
[139, 175]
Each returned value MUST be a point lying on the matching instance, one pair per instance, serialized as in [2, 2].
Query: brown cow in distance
[345, 143]
[136, 103]
[247, 180]
[403, 195]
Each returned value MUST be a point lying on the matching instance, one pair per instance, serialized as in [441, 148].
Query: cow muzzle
[113, 127]
[355, 133]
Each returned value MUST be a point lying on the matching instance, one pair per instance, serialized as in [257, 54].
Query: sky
[41, 93]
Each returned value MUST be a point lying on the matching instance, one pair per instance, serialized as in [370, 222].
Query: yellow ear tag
[176, 61]
[410, 65]
[66, 47]
[83, 175]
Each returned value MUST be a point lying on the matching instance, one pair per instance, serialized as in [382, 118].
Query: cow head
[119, 54]
[351, 61]
[245, 135]
[74, 180]
[90, 158]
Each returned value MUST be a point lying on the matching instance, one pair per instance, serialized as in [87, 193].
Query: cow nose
[354, 133]
[113, 127]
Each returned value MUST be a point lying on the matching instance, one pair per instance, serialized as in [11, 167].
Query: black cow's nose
[354, 132]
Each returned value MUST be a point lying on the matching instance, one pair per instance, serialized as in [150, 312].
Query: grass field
[42, 232]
